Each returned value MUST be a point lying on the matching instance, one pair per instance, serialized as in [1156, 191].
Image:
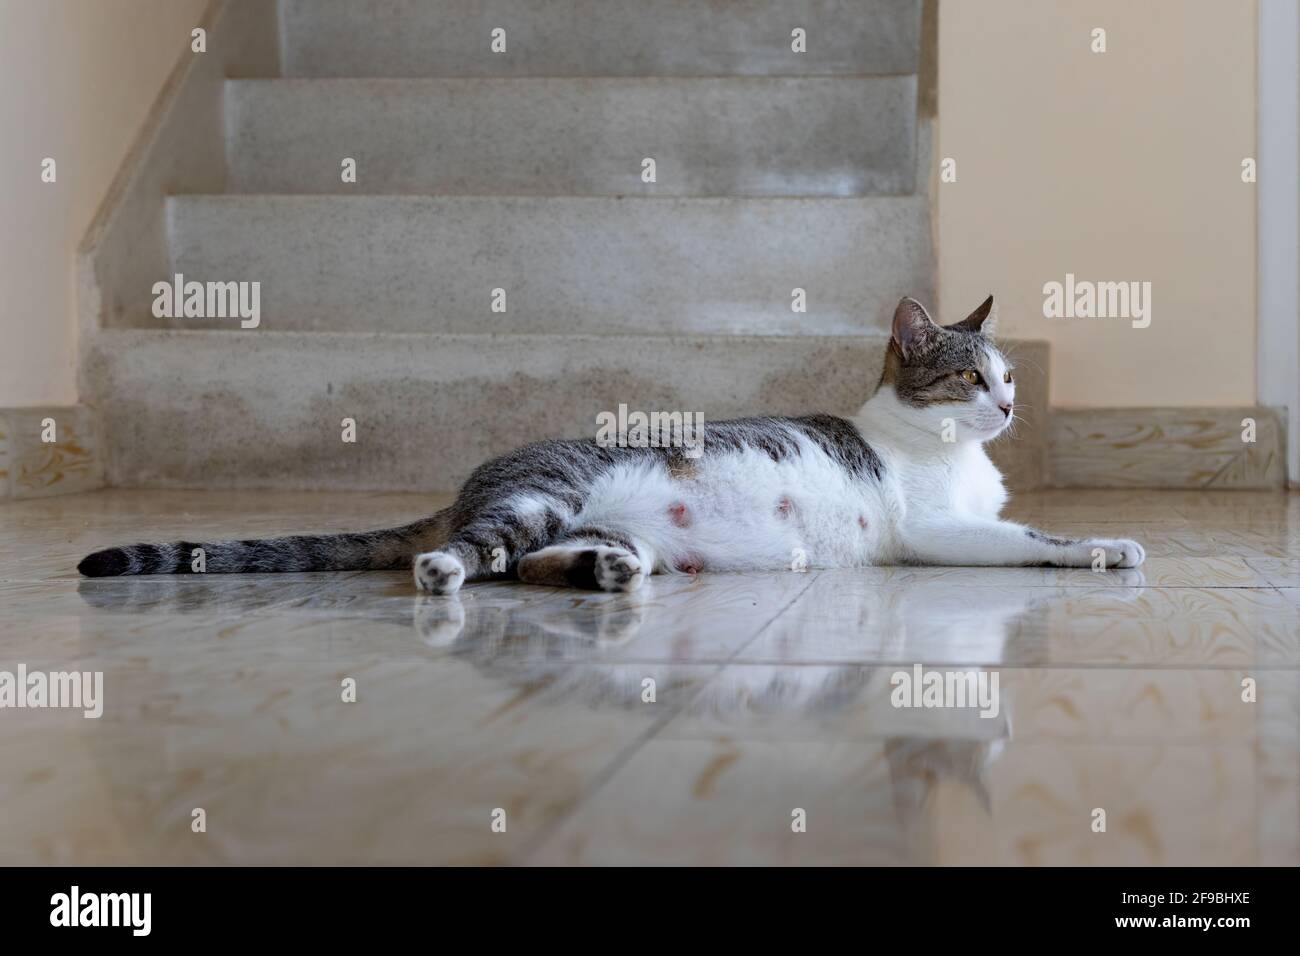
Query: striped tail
[364, 551]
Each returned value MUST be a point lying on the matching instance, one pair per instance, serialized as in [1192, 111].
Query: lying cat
[905, 482]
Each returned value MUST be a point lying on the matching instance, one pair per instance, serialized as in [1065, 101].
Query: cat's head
[950, 380]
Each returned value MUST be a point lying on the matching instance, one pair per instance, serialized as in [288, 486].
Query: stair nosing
[585, 197]
[569, 76]
[686, 337]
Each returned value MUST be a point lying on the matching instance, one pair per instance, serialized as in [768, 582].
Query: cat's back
[785, 438]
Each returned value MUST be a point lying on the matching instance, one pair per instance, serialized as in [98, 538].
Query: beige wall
[1123, 165]
[77, 78]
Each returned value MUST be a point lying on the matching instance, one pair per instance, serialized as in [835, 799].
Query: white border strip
[1278, 210]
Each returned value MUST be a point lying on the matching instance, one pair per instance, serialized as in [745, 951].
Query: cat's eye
[1006, 377]
[972, 377]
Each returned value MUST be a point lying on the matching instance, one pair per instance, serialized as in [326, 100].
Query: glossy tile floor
[1119, 691]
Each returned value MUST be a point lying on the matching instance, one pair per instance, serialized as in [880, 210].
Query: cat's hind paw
[437, 572]
[618, 570]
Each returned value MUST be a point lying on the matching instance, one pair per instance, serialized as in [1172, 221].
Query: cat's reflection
[488, 632]
[917, 765]
[598, 651]
[225, 594]
[928, 621]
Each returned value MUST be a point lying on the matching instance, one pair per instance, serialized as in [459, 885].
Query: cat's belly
[745, 512]
[794, 530]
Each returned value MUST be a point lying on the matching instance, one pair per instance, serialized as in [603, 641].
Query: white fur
[437, 572]
[730, 516]
[947, 495]
[617, 570]
[937, 502]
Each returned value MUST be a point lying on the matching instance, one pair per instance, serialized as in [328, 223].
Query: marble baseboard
[1167, 448]
[33, 467]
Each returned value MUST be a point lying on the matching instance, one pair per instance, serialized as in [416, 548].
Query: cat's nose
[1006, 408]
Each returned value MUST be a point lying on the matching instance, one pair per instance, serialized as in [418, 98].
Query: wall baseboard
[1166, 448]
[31, 467]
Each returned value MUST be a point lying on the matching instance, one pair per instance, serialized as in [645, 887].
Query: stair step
[597, 37]
[582, 265]
[261, 409]
[745, 136]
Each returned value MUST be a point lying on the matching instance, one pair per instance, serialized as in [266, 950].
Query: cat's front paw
[437, 572]
[618, 570]
[1114, 553]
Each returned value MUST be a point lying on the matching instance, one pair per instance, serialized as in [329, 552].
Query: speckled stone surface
[567, 265]
[716, 136]
[599, 37]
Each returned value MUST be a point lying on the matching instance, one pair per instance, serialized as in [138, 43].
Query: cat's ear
[913, 327]
[983, 320]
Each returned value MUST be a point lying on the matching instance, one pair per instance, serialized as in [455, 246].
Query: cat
[907, 481]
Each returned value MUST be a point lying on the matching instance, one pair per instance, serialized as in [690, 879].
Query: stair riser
[264, 410]
[258, 410]
[598, 37]
[848, 136]
[566, 265]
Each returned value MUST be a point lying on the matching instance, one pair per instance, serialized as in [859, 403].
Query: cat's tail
[362, 551]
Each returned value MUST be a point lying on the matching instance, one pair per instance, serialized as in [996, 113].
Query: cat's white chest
[964, 482]
[976, 486]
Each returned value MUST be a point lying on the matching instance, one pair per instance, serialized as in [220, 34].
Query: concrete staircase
[519, 171]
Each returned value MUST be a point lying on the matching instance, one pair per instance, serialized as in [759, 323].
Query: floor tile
[684, 723]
